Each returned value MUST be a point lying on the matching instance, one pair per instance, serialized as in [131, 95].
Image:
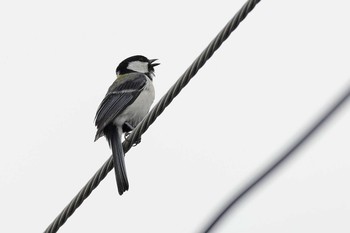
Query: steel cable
[153, 114]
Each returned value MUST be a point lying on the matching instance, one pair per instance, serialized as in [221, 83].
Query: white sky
[283, 66]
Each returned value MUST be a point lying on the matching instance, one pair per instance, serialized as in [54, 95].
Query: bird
[125, 104]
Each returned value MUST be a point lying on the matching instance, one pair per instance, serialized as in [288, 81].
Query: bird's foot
[126, 137]
[127, 128]
[137, 141]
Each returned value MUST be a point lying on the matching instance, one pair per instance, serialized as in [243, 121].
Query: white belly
[134, 113]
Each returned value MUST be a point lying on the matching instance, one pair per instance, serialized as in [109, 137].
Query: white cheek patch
[138, 66]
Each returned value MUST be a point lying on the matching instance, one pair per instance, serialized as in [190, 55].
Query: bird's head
[138, 64]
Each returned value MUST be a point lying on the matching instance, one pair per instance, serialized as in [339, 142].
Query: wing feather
[121, 94]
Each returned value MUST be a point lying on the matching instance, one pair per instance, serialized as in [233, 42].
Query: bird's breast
[135, 112]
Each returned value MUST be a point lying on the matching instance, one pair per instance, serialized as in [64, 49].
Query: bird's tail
[114, 139]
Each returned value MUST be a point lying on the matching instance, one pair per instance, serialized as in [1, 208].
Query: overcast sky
[283, 66]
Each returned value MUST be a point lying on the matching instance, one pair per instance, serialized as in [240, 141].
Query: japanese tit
[126, 103]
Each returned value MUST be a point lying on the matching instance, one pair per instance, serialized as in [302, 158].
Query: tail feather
[118, 160]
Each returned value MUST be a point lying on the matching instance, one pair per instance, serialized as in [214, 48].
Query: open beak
[154, 64]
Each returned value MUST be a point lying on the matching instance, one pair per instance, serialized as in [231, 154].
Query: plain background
[283, 66]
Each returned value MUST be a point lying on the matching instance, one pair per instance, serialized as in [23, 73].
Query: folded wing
[121, 94]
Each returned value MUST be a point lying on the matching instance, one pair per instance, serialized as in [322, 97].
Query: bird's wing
[121, 94]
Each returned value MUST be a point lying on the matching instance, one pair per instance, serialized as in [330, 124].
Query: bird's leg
[127, 128]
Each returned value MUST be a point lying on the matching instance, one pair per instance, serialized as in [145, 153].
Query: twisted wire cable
[287, 154]
[153, 114]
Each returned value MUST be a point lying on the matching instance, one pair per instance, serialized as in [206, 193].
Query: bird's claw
[126, 137]
[137, 141]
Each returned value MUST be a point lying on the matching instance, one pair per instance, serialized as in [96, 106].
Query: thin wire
[153, 114]
[282, 158]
